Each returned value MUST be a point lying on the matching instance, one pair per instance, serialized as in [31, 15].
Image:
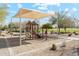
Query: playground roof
[32, 14]
[31, 23]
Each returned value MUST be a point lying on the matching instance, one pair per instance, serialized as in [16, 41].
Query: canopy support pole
[20, 32]
[11, 28]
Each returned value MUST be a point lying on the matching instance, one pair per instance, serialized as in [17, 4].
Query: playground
[36, 38]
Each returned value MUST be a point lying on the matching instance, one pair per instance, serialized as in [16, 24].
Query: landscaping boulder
[69, 34]
[75, 33]
[53, 47]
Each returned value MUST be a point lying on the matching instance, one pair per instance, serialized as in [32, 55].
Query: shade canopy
[32, 14]
[21, 12]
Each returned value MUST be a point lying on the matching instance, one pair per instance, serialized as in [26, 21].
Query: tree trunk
[65, 29]
[59, 30]
[42, 33]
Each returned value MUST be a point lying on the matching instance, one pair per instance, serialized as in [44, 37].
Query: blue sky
[13, 8]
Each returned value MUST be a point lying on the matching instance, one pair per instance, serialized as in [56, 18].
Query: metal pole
[20, 31]
[58, 24]
[11, 28]
[20, 28]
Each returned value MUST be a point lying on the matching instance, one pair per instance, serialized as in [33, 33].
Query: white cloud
[58, 4]
[19, 5]
[51, 12]
[42, 8]
[12, 11]
[9, 5]
[66, 9]
[39, 4]
[55, 4]
[45, 4]
[74, 9]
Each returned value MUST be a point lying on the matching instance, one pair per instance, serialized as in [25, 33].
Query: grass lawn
[49, 30]
[70, 30]
[62, 30]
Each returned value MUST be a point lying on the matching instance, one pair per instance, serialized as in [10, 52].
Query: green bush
[3, 27]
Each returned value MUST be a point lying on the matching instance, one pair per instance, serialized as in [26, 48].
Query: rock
[53, 47]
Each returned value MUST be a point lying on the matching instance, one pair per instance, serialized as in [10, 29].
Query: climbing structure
[32, 27]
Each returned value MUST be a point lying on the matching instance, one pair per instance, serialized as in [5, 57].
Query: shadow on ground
[12, 42]
[3, 43]
[77, 51]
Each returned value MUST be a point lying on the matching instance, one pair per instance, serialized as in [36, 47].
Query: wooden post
[37, 29]
[46, 34]
[32, 30]
[42, 33]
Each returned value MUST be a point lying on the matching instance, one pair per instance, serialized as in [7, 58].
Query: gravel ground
[38, 47]
[10, 46]
[70, 50]
[33, 46]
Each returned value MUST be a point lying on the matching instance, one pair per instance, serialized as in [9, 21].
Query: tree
[62, 20]
[67, 22]
[59, 16]
[47, 26]
[4, 27]
[12, 26]
[3, 12]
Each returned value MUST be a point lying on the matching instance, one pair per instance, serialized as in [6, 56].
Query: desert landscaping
[28, 32]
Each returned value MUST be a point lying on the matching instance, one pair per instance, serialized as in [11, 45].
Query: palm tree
[57, 19]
